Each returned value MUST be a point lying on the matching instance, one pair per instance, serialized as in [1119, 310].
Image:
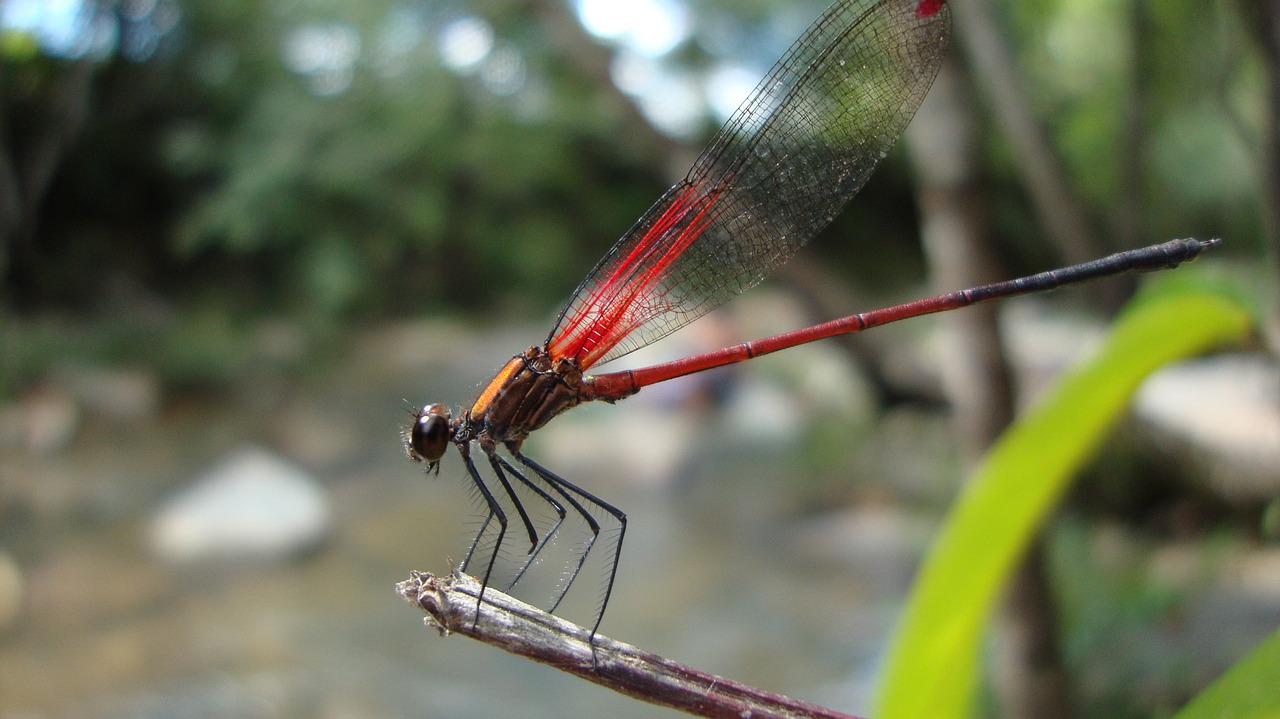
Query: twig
[509, 624]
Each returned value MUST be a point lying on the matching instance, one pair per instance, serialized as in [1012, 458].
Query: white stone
[1224, 411]
[253, 505]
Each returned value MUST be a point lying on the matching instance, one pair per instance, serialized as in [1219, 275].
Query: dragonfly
[801, 145]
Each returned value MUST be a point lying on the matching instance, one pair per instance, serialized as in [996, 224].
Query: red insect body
[929, 7]
[775, 175]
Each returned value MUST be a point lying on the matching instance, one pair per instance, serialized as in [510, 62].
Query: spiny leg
[592, 524]
[495, 511]
[566, 488]
[484, 526]
[488, 449]
[498, 466]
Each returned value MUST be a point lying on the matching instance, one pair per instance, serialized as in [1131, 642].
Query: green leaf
[933, 662]
[1249, 690]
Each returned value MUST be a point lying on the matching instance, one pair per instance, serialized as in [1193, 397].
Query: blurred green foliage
[407, 193]
[1191, 72]
[213, 166]
[1247, 691]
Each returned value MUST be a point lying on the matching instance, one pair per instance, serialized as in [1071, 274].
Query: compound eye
[430, 433]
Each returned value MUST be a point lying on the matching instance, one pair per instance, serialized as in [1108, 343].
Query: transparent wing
[796, 151]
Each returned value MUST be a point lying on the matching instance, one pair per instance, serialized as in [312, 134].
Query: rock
[253, 506]
[123, 395]
[1219, 416]
[879, 541]
[43, 421]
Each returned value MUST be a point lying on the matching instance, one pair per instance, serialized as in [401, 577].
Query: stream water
[721, 568]
[772, 539]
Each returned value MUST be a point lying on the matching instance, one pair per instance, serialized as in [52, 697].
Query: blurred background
[240, 241]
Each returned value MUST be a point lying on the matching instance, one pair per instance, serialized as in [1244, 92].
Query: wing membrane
[784, 165]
